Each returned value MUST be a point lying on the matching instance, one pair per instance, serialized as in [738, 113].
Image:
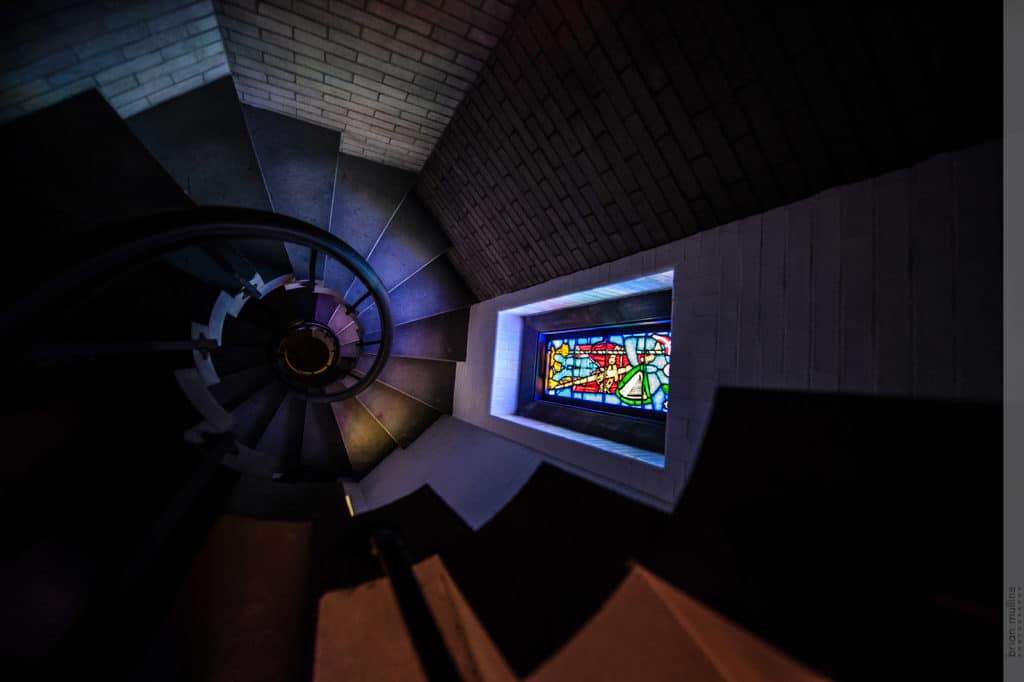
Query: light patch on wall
[656, 282]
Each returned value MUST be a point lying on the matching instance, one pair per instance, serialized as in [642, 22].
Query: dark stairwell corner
[268, 270]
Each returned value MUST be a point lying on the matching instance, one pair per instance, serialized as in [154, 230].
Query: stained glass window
[618, 367]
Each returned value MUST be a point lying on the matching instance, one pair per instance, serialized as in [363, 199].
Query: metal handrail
[424, 631]
[143, 238]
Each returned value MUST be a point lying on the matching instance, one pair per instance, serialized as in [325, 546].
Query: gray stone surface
[474, 471]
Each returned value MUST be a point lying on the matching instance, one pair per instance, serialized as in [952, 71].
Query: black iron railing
[127, 244]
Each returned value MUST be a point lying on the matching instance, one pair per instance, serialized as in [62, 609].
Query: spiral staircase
[274, 341]
[218, 275]
[212, 322]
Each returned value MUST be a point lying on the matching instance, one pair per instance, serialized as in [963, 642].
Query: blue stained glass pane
[625, 369]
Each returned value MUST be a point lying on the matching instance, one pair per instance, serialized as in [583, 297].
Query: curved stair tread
[106, 173]
[199, 263]
[324, 308]
[366, 195]
[350, 350]
[304, 303]
[212, 158]
[292, 303]
[233, 389]
[298, 161]
[403, 417]
[233, 359]
[345, 326]
[159, 305]
[439, 337]
[261, 497]
[366, 441]
[281, 440]
[437, 288]
[429, 381]
[349, 335]
[254, 414]
[265, 316]
[411, 241]
[343, 382]
[83, 150]
[240, 331]
[322, 446]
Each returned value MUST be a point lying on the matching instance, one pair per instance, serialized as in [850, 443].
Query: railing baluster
[352, 309]
[313, 256]
[222, 261]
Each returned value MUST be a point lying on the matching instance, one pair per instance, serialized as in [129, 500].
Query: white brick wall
[137, 54]
[888, 286]
[388, 75]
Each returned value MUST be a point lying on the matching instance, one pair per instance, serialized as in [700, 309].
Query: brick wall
[137, 54]
[389, 75]
[888, 286]
[602, 127]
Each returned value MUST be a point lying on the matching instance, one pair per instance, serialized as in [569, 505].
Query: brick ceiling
[388, 74]
[601, 128]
